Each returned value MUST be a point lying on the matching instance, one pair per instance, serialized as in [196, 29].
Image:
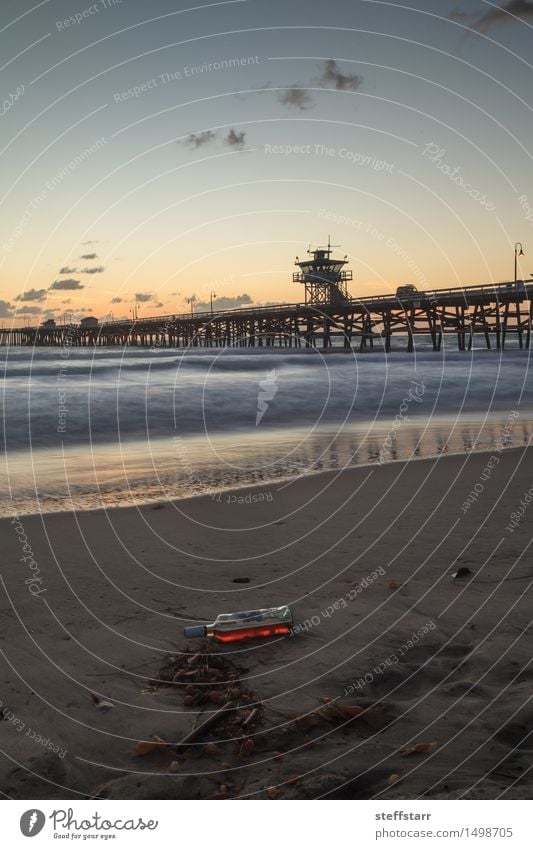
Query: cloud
[332, 75]
[6, 310]
[90, 242]
[67, 270]
[296, 97]
[116, 300]
[32, 295]
[227, 303]
[67, 301]
[69, 283]
[97, 269]
[195, 140]
[145, 298]
[459, 15]
[88, 256]
[512, 9]
[235, 139]
[31, 311]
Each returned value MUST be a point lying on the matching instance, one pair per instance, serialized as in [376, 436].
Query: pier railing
[523, 288]
[493, 310]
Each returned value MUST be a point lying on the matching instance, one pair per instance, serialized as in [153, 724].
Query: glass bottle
[247, 625]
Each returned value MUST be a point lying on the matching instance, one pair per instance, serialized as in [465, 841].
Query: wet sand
[364, 557]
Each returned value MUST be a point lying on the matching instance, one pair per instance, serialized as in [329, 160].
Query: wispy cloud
[296, 97]
[459, 15]
[32, 295]
[116, 300]
[333, 76]
[226, 303]
[6, 310]
[90, 242]
[68, 284]
[33, 311]
[88, 256]
[235, 139]
[146, 297]
[195, 140]
[97, 269]
[505, 14]
[67, 270]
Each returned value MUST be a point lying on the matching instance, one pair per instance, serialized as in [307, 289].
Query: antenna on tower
[328, 249]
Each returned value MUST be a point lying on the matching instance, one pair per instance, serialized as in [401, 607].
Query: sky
[155, 153]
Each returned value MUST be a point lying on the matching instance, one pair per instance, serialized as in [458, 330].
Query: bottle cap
[195, 631]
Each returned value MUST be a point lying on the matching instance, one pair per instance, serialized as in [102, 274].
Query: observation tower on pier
[323, 276]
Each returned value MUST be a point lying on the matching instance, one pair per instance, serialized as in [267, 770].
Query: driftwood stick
[250, 716]
[194, 735]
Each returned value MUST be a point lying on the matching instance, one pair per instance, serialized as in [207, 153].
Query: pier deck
[489, 312]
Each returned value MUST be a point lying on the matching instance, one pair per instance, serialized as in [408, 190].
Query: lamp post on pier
[518, 251]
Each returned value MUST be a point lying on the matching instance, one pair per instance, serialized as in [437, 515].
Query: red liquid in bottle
[249, 633]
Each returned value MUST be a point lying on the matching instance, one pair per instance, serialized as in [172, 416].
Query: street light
[211, 296]
[518, 251]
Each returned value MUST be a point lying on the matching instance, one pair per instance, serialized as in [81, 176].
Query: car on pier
[408, 290]
[409, 293]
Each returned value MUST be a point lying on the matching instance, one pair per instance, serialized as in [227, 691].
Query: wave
[111, 396]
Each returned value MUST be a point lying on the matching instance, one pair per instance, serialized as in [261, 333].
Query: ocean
[104, 427]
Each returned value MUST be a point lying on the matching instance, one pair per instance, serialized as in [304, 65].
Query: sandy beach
[94, 605]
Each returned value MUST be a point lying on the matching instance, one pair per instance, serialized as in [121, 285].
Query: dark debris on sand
[231, 729]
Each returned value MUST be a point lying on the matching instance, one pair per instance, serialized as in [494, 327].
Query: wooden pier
[487, 313]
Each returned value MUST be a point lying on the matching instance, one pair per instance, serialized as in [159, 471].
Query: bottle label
[255, 618]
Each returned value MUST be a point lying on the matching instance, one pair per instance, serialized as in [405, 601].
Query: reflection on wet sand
[138, 471]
